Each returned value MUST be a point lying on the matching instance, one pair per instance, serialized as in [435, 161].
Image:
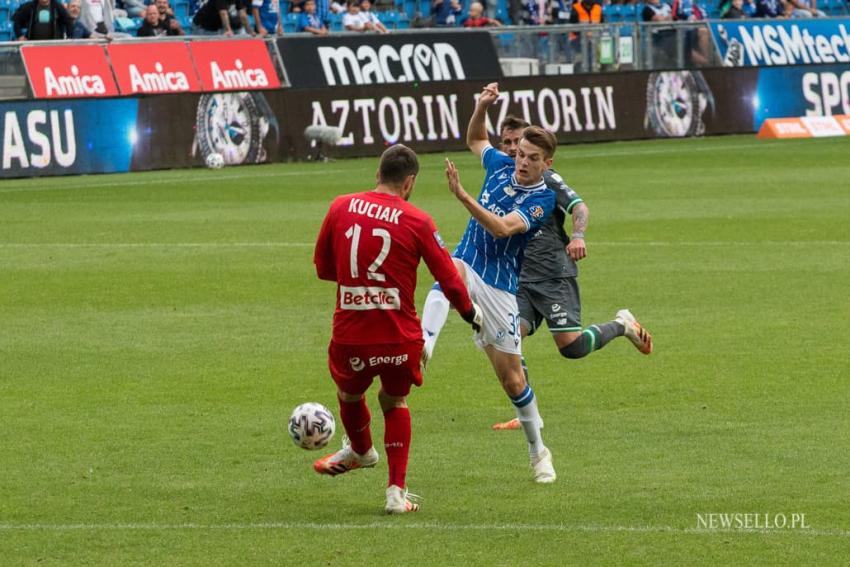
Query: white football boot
[635, 332]
[345, 460]
[400, 501]
[541, 463]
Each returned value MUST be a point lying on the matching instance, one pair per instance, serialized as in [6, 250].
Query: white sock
[434, 315]
[529, 418]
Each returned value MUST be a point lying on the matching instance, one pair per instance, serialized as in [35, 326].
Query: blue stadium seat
[629, 13]
[128, 25]
[388, 18]
[402, 21]
[612, 13]
[181, 8]
[335, 22]
[410, 8]
[835, 8]
[290, 23]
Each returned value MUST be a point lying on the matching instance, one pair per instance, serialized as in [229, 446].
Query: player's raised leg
[434, 315]
[508, 368]
[360, 453]
[397, 446]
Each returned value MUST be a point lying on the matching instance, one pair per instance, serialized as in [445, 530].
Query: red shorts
[353, 367]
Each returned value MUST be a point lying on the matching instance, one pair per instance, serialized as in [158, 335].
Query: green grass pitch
[156, 330]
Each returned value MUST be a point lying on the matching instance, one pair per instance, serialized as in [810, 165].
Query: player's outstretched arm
[576, 248]
[500, 227]
[476, 133]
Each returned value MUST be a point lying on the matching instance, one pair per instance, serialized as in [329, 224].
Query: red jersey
[370, 243]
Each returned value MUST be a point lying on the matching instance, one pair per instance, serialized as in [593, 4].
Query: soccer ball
[215, 161]
[311, 426]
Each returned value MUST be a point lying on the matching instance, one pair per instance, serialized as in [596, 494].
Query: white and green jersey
[545, 255]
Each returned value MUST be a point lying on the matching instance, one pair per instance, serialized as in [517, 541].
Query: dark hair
[542, 138]
[511, 122]
[397, 163]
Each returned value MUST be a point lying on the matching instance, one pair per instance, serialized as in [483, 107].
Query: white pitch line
[271, 244]
[196, 178]
[566, 528]
[156, 244]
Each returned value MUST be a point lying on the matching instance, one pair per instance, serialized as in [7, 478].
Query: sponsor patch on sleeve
[536, 211]
[439, 239]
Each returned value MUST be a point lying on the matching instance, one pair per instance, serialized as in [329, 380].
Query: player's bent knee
[348, 398]
[579, 348]
[389, 402]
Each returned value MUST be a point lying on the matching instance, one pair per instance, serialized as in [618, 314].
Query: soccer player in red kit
[370, 244]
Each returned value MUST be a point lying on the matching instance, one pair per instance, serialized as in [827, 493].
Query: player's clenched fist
[489, 94]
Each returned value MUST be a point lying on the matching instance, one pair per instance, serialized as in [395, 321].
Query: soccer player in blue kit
[513, 204]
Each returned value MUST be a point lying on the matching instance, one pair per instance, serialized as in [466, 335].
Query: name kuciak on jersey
[374, 211]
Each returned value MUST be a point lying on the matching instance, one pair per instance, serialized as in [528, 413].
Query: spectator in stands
[78, 31]
[656, 11]
[156, 26]
[267, 17]
[477, 19]
[353, 20]
[42, 20]
[369, 17]
[771, 8]
[586, 12]
[224, 17]
[308, 20]
[167, 20]
[98, 16]
[805, 9]
[150, 26]
[535, 13]
[296, 6]
[446, 12]
[560, 11]
[734, 11]
[697, 39]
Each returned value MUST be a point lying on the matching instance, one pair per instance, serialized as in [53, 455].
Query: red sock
[397, 443]
[356, 418]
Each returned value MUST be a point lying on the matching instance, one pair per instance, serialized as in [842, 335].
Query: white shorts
[501, 315]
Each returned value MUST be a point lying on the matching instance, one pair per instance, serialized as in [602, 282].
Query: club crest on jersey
[536, 211]
[439, 239]
[510, 191]
[356, 364]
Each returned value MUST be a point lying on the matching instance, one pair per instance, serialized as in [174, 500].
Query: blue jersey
[498, 260]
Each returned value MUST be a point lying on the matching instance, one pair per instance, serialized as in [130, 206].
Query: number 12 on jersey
[353, 234]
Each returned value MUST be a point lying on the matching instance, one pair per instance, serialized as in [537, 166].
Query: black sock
[593, 338]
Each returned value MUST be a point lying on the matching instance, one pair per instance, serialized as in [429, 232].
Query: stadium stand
[395, 15]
